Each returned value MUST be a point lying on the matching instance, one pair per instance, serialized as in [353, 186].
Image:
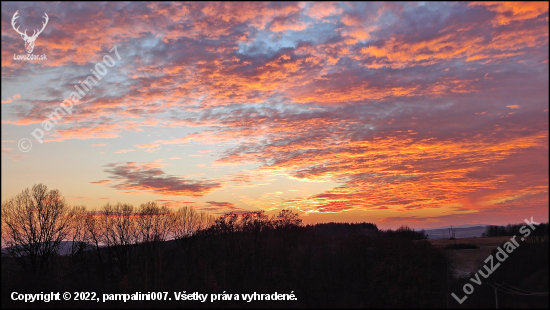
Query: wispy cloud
[11, 99]
[134, 177]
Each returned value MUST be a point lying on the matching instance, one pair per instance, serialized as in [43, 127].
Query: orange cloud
[101, 182]
[510, 11]
[320, 10]
[11, 99]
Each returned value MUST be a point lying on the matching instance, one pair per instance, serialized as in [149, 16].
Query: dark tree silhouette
[34, 224]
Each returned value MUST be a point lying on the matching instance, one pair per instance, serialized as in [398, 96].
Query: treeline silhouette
[515, 229]
[122, 249]
[37, 224]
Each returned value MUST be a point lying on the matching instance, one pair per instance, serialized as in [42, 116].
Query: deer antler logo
[29, 41]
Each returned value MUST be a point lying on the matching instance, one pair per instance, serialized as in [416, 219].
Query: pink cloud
[11, 99]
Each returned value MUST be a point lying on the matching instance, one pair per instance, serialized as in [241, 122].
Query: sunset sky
[418, 114]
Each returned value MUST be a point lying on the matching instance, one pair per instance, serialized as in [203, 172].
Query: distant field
[468, 232]
[491, 242]
[464, 262]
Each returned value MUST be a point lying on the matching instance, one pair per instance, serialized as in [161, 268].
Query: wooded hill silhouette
[123, 249]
